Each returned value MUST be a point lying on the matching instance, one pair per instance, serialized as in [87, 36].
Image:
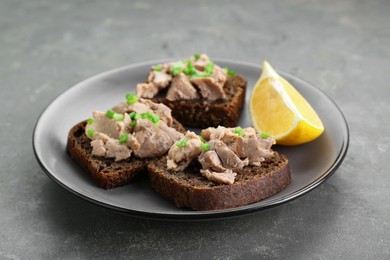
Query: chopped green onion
[202, 139]
[132, 114]
[239, 131]
[110, 113]
[190, 64]
[123, 138]
[197, 56]
[152, 117]
[182, 143]
[187, 71]
[200, 75]
[131, 99]
[209, 67]
[155, 119]
[147, 115]
[230, 72]
[265, 135]
[90, 121]
[90, 132]
[208, 70]
[177, 68]
[193, 71]
[190, 69]
[118, 117]
[205, 146]
[176, 71]
[157, 68]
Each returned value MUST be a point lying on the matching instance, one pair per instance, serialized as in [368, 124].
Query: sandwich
[199, 92]
[222, 168]
[115, 146]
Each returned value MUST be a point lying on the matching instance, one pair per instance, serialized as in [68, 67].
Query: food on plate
[221, 168]
[115, 146]
[199, 92]
[225, 166]
[278, 108]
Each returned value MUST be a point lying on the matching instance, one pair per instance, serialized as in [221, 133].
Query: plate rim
[198, 215]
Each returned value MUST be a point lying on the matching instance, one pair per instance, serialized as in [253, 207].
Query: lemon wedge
[277, 108]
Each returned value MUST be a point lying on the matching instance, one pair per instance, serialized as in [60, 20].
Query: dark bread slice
[202, 113]
[108, 173]
[190, 189]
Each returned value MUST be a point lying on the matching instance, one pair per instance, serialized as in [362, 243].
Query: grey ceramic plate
[311, 163]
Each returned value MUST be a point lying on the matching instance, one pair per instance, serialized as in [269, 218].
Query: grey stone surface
[340, 46]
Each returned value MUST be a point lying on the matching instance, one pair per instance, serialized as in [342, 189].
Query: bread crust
[107, 173]
[202, 113]
[191, 190]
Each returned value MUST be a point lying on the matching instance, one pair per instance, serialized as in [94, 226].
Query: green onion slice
[91, 132]
[152, 117]
[133, 123]
[155, 119]
[132, 114]
[157, 68]
[197, 56]
[230, 72]
[187, 71]
[131, 99]
[265, 135]
[182, 143]
[202, 139]
[190, 64]
[118, 117]
[209, 68]
[137, 116]
[205, 146]
[190, 69]
[176, 71]
[90, 121]
[239, 131]
[200, 75]
[123, 138]
[177, 68]
[147, 115]
[110, 113]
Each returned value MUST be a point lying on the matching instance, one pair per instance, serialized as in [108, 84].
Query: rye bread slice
[107, 173]
[202, 113]
[189, 189]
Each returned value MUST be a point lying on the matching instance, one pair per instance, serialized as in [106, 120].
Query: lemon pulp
[278, 108]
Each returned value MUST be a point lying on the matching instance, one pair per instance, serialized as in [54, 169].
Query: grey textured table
[340, 46]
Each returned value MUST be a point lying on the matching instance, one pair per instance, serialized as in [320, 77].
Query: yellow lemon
[277, 108]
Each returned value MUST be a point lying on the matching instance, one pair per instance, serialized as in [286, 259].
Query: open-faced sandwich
[115, 146]
[199, 92]
[222, 168]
